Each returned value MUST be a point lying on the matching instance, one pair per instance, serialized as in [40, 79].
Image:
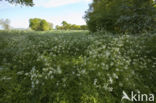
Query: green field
[75, 66]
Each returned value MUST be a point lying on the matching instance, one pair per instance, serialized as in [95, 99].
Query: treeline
[42, 25]
[134, 16]
[67, 26]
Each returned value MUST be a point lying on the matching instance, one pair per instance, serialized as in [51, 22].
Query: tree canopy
[39, 24]
[21, 2]
[121, 15]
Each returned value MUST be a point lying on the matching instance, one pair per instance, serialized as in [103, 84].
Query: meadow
[75, 66]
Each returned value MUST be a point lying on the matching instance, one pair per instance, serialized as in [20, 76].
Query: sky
[54, 11]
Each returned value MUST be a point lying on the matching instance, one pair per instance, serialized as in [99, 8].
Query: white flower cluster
[104, 60]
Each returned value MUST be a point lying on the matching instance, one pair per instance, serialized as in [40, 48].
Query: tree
[44, 25]
[34, 24]
[5, 24]
[39, 24]
[21, 2]
[121, 15]
[64, 23]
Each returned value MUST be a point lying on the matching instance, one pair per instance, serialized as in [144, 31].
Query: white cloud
[57, 3]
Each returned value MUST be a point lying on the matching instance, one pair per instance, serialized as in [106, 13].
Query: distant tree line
[67, 26]
[134, 16]
[40, 24]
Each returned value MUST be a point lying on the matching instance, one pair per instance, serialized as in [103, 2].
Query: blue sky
[54, 11]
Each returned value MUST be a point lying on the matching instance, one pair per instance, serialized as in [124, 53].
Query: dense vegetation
[67, 26]
[122, 16]
[74, 67]
[78, 66]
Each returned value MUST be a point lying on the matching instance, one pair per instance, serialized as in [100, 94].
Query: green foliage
[134, 16]
[34, 24]
[64, 23]
[62, 67]
[84, 27]
[66, 26]
[21, 2]
[44, 26]
[39, 24]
